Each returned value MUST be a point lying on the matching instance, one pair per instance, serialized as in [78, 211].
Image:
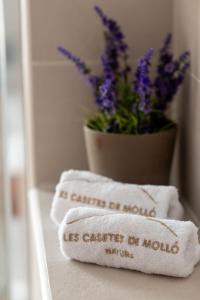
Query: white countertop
[63, 279]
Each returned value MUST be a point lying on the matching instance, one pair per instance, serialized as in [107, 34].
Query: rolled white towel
[140, 243]
[87, 176]
[82, 188]
[60, 206]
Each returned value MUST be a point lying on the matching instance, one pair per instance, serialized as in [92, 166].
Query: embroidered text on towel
[134, 209]
[99, 237]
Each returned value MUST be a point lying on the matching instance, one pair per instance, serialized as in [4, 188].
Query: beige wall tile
[59, 98]
[187, 30]
[73, 23]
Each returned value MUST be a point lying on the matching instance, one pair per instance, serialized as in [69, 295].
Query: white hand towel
[140, 243]
[86, 189]
[82, 175]
[60, 206]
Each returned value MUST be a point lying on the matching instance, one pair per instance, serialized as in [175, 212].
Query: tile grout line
[58, 63]
[68, 63]
[46, 63]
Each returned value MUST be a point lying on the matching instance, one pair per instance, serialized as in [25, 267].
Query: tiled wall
[58, 92]
[186, 23]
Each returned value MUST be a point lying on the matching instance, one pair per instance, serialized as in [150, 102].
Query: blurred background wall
[60, 97]
[186, 28]
[57, 95]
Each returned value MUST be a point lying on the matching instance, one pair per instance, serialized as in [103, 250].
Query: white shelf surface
[63, 279]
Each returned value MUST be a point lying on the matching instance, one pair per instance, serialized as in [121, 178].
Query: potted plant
[130, 138]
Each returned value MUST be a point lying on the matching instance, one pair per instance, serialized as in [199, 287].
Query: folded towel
[82, 188]
[140, 243]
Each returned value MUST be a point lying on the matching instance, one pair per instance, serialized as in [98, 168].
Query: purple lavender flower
[167, 44]
[114, 30]
[81, 66]
[142, 83]
[184, 57]
[170, 74]
[169, 68]
[116, 41]
[115, 96]
[183, 68]
[110, 58]
[106, 98]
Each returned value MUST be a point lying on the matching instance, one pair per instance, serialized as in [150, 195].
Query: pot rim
[174, 128]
